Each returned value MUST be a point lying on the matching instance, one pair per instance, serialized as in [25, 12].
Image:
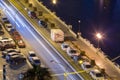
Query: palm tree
[37, 73]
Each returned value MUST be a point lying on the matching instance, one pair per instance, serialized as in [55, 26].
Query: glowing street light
[54, 1]
[99, 37]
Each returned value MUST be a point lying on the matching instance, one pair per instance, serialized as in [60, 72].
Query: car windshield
[6, 21]
[32, 55]
[65, 46]
[9, 26]
[99, 75]
[4, 18]
[88, 66]
[43, 23]
[73, 51]
[36, 61]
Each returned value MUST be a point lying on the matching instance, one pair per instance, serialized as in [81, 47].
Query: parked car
[6, 22]
[6, 43]
[3, 19]
[96, 74]
[8, 27]
[6, 51]
[42, 23]
[20, 43]
[85, 58]
[64, 46]
[86, 66]
[32, 14]
[35, 61]
[15, 34]
[72, 52]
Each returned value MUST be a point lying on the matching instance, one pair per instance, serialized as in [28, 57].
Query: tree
[37, 73]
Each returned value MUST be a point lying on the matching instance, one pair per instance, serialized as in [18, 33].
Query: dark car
[42, 23]
[32, 14]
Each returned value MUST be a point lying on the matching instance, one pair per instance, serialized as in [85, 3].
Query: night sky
[95, 17]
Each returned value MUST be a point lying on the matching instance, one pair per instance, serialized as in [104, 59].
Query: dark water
[95, 16]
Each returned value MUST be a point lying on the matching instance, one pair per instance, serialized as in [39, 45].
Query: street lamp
[54, 1]
[78, 33]
[99, 37]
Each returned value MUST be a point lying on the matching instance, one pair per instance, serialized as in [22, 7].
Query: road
[44, 50]
[101, 61]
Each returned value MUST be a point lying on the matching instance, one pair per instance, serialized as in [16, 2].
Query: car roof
[15, 56]
[31, 52]
[9, 49]
[35, 58]
[12, 53]
[96, 71]
[64, 44]
[87, 63]
[8, 24]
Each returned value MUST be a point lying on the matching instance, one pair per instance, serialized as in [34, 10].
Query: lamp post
[99, 37]
[79, 25]
[78, 33]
